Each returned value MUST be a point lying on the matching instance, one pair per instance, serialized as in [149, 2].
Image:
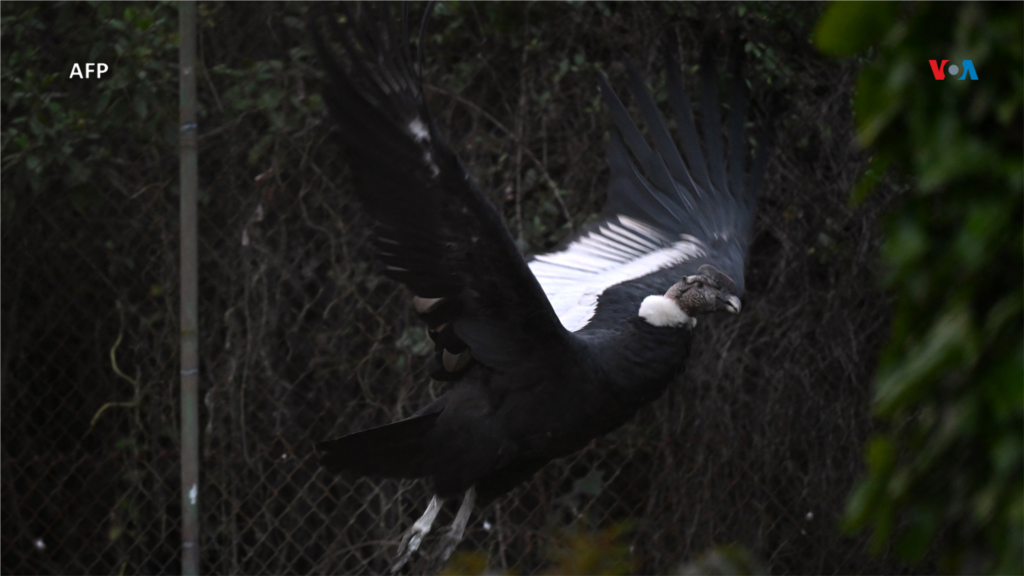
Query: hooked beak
[730, 303]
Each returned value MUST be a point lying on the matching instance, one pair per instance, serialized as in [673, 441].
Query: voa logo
[939, 70]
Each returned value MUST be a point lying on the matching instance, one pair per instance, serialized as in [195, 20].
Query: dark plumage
[547, 354]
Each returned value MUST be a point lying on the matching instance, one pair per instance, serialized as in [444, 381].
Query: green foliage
[466, 563]
[89, 136]
[67, 132]
[850, 27]
[947, 470]
[586, 552]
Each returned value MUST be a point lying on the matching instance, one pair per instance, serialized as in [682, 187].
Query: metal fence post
[189, 296]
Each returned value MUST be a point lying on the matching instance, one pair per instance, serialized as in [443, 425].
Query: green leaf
[860, 505]
[257, 151]
[913, 544]
[876, 169]
[881, 454]
[847, 28]
[948, 341]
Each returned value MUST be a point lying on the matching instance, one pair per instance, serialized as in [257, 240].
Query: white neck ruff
[662, 311]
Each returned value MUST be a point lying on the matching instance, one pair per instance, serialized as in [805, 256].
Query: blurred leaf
[585, 552]
[948, 387]
[947, 343]
[260, 147]
[729, 560]
[591, 484]
[850, 27]
[415, 341]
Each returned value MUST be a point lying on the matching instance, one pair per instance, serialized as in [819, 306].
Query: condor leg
[457, 530]
[413, 537]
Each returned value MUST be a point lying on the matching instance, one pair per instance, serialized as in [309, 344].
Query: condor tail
[395, 450]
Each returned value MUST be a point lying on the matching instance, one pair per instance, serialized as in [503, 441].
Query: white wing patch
[618, 251]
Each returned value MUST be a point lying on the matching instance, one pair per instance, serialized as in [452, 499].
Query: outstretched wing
[435, 231]
[665, 217]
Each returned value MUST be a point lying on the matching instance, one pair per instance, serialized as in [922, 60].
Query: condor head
[707, 291]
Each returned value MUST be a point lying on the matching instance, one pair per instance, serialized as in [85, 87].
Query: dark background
[758, 444]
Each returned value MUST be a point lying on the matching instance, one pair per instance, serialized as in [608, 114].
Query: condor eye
[700, 284]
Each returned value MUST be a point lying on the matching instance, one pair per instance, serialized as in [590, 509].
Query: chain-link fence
[302, 339]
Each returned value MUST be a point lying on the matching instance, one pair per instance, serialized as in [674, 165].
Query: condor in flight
[548, 353]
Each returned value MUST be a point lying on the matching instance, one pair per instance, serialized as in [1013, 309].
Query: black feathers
[436, 232]
[545, 355]
[394, 450]
[708, 200]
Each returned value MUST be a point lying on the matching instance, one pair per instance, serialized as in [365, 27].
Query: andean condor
[547, 353]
